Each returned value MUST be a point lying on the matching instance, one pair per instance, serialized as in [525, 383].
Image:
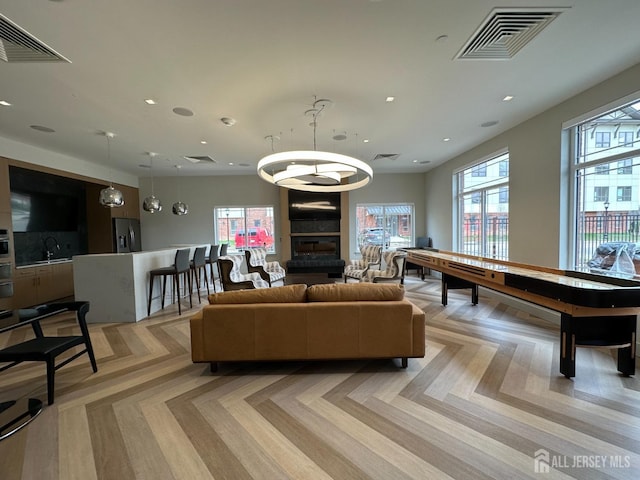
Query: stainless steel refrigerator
[126, 235]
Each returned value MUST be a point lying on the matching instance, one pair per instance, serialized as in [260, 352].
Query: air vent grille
[505, 33]
[17, 45]
[199, 159]
[386, 156]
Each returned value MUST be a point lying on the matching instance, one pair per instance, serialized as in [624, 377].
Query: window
[623, 194]
[503, 195]
[483, 209]
[625, 139]
[625, 167]
[600, 216]
[600, 194]
[479, 171]
[244, 227]
[387, 225]
[603, 139]
[504, 168]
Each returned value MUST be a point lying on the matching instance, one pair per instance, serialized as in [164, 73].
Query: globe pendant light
[179, 208]
[151, 204]
[110, 197]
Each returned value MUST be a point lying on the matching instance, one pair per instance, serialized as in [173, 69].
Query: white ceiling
[263, 62]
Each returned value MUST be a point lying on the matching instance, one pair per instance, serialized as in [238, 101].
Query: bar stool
[197, 265]
[212, 259]
[223, 249]
[180, 267]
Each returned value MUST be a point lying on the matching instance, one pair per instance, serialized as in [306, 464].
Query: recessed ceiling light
[5, 103]
[507, 98]
[231, 163]
[150, 101]
[185, 112]
[203, 142]
[366, 140]
[446, 139]
[415, 161]
[390, 99]
[228, 121]
[490, 123]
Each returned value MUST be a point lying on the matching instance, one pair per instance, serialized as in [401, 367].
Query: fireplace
[311, 254]
[315, 248]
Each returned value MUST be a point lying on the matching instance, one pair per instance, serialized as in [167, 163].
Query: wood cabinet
[42, 284]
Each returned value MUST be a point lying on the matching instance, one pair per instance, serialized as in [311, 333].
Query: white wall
[538, 196]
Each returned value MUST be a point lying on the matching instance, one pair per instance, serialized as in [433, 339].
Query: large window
[388, 225]
[483, 209]
[607, 206]
[244, 227]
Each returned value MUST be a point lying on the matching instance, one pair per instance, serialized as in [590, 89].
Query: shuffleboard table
[596, 310]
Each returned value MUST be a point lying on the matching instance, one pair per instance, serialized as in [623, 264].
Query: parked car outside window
[257, 237]
[375, 236]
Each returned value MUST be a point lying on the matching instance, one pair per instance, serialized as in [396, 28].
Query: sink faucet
[49, 252]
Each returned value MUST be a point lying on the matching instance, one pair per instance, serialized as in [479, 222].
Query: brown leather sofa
[320, 322]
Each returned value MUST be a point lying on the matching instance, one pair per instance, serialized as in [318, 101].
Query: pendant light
[110, 197]
[151, 204]
[179, 208]
[313, 170]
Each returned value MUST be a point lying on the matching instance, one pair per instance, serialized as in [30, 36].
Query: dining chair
[212, 260]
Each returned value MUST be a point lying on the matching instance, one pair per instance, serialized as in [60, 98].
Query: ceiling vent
[386, 156]
[200, 159]
[17, 45]
[504, 32]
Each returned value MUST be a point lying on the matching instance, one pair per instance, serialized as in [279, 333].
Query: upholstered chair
[232, 278]
[394, 269]
[269, 271]
[370, 256]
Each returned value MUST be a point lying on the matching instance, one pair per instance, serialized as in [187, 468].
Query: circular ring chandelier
[315, 171]
[312, 170]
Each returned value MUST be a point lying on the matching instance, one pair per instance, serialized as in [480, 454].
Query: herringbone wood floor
[487, 396]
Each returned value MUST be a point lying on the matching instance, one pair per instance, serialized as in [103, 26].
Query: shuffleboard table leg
[567, 347]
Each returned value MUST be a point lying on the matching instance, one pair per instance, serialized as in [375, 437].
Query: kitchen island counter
[117, 284]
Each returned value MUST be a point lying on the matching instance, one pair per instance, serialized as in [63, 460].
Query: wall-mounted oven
[4, 243]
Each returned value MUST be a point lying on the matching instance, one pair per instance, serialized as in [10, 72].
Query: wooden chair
[45, 348]
[179, 268]
[268, 271]
[232, 278]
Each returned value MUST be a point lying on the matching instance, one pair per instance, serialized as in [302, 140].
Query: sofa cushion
[287, 294]
[354, 292]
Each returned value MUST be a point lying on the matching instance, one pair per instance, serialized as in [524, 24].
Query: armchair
[268, 271]
[232, 278]
[370, 256]
[394, 269]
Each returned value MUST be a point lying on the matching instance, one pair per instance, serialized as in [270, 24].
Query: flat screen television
[42, 202]
[314, 205]
[43, 212]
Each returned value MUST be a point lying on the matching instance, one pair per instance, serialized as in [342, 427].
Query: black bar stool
[212, 259]
[180, 267]
[197, 265]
